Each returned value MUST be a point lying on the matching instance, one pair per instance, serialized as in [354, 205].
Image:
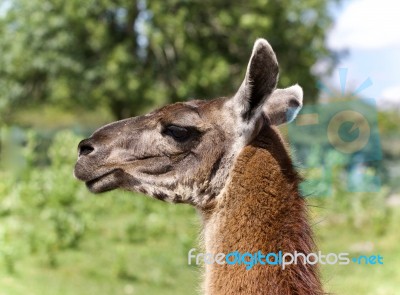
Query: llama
[226, 158]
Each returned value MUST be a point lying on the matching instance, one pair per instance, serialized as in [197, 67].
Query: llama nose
[85, 148]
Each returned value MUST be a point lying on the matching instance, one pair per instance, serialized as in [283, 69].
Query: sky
[370, 31]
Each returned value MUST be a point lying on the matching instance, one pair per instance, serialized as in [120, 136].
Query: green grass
[136, 245]
[361, 279]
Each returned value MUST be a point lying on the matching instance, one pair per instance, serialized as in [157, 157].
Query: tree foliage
[132, 55]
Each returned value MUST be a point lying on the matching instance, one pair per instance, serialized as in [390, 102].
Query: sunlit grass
[360, 279]
[153, 258]
[111, 261]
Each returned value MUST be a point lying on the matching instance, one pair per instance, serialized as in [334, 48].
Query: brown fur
[260, 210]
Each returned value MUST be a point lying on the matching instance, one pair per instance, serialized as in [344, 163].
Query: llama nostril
[84, 148]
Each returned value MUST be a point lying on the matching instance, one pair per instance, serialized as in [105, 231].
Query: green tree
[132, 55]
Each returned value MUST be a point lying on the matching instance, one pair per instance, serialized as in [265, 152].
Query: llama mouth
[104, 183]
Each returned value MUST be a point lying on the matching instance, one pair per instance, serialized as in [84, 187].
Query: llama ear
[283, 105]
[259, 82]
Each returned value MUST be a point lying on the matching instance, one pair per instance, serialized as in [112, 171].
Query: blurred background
[68, 67]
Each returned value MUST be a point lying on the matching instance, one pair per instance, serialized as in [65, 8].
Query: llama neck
[260, 209]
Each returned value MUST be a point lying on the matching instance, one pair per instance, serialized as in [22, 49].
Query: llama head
[183, 152]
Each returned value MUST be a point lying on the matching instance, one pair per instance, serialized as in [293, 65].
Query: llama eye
[177, 132]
